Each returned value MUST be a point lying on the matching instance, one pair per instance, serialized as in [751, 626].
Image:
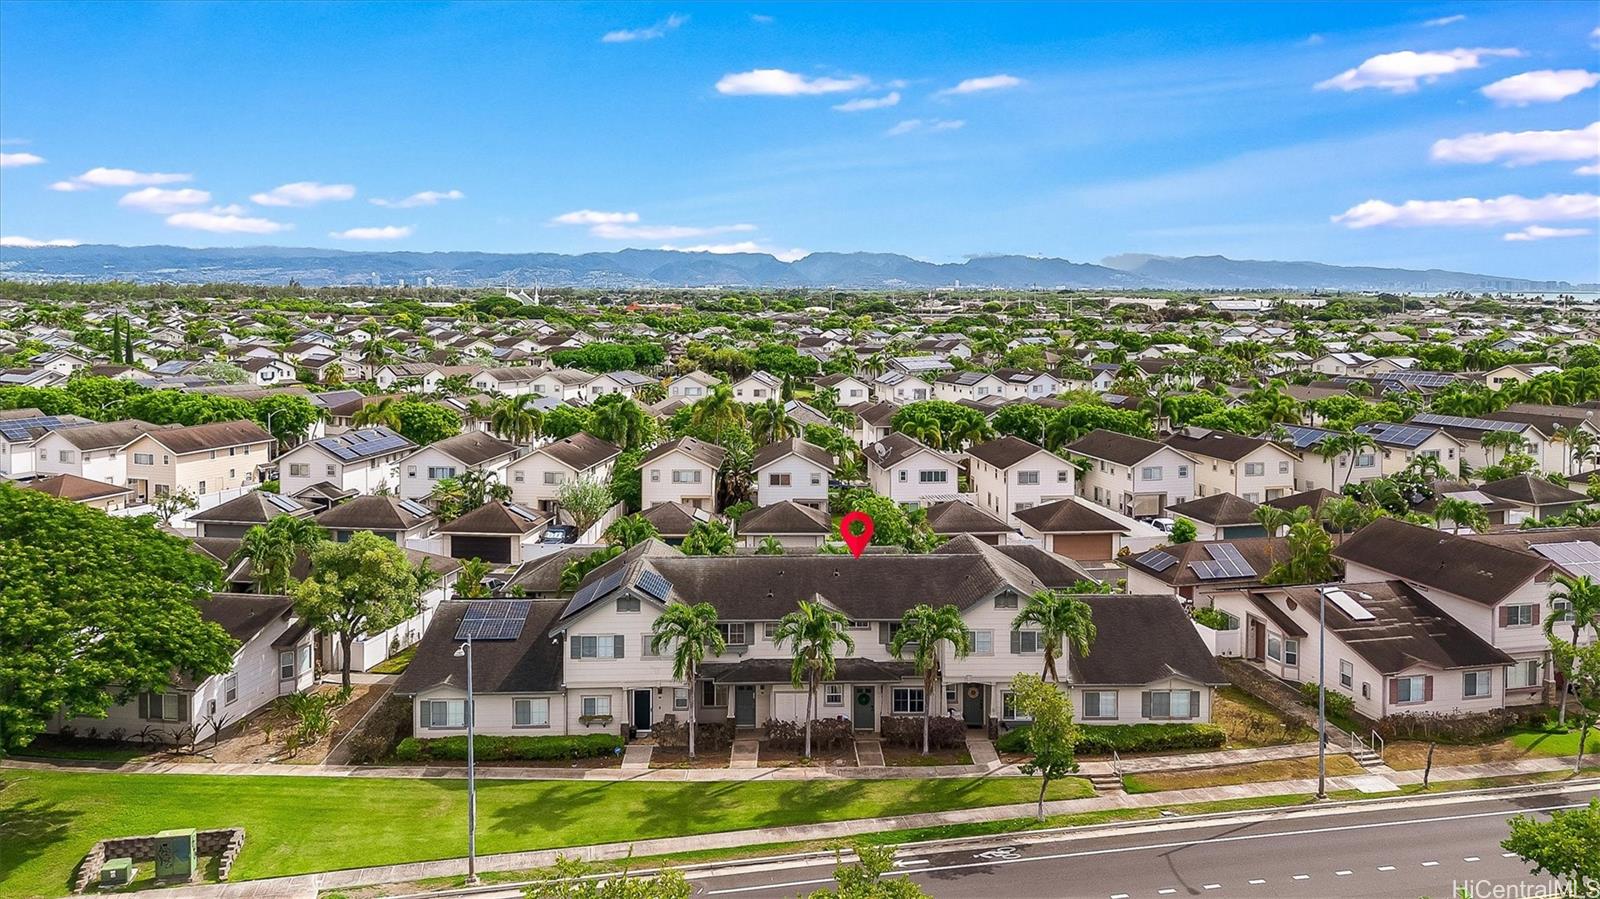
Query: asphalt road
[1414, 850]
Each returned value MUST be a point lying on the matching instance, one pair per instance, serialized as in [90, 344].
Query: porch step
[746, 753]
[1106, 782]
[869, 753]
[1366, 758]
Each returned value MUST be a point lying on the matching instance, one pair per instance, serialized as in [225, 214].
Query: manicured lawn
[396, 663]
[1255, 772]
[296, 825]
[47, 746]
[1551, 741]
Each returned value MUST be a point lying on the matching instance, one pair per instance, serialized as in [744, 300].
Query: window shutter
[1394, 690]
[1536, 611]
[183, 706]
[1427, 688]
[1016, 643]
[1194, 703]
[883, 632]
[577, 647]
[1144, 703]
[619, 642]
[144, 705]
[1505, 615]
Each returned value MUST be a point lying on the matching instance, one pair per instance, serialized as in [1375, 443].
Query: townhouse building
[94, 452]
[1009, 474]
[536, 479]
[200, 459]
[684, 471]
[451, 458]
[1254, 468]
[792, 470]
[1132, 475]
[360, 460]
[910, 472]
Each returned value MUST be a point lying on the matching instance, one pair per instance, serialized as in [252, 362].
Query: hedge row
[1103, 739]
[501, 749]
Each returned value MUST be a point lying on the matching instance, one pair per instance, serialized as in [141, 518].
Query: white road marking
[1471, 858]
[1302, 877]
[1341, 874]
[1212, 886]
[1430, 864]
[1169, 891]
[1508, 855]
[1119, 896]
[1235, 838]
[1386, 867]
[1257, 882]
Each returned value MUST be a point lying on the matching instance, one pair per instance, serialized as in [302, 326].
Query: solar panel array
[594, 591]
[1418, 378]
[1303, 437]
[415, 508]
[1580, 557]
[282, 502]
[1225, 563]
[1407, 435]
[494, 619]
[18, 430]
[1156, 560]
[522, 513]
[654, 584]
[363, 444]
[1461, 421]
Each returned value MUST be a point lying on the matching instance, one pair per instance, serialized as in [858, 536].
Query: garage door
[788, 705]
[489, 549]
[1082, 547]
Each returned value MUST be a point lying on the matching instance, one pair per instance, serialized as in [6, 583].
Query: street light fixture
[465, 650]
[1322, 693]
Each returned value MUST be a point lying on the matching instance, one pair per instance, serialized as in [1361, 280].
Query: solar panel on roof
[1459, 421]
[282, 502]
[1227, 558]
[415, 508]
[14, 430]
[1156, 560]
[1348, 605]
[1209, 571]
[1579, 556]
[654, 584]
[1302, 437]
[497, 619]
[521, 513]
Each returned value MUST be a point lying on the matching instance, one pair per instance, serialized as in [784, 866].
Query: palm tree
[708, 538]
[718, 410]
[970, 430]
[475, 411]
[1566, 435]
[621, 421]
[1505, 441]
[812, 630]
[770, 422]
[1271, 518]
[1354, 443]
[769, 546]
[383, 411]
[1063, 620]
[1330, 448]
[924, 628]
[1345, 514]
[470, 585]
[272, 549]
[923, 426]
[690, 631]
[1582, 598]
[630, 530]
[1460, 512]
[516, 418]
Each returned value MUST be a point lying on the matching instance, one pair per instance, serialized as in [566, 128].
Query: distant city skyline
[1460, 136]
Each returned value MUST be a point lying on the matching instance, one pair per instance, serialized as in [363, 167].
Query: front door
[744, 706]
[972, 705]
[862, 712]
[641, 711]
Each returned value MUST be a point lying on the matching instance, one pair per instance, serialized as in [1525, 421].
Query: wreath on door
[863, 699]
[972, 692]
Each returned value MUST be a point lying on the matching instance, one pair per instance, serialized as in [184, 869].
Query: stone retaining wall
[223, 844]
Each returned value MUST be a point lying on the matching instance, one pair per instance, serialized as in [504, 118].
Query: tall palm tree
[812, 631]
[475, 411]
[690, 631]
[1460, 512]
[1271, 518]
[470, 584]
[383, 411]
[1345, 514]
[922, 425]
[718, 410]
[770, 546]
[1566, 435]
[621, 421]
[1063, 620]
[1356, 442]
[970, 430]
[516, 418]
[1330, 448]
[630, 530]
[770, 422]
[924, 628]
[1582, 598]
[273, 547]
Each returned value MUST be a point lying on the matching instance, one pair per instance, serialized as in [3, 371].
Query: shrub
[670, 733]
[389, 723]
[1103, 739]
[1454, 727]
[492, 748]
[944, 732]
[1216, 619]
[1338, 704]
[826, 734]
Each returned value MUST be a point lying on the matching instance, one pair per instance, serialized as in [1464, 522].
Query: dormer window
[1006, 599]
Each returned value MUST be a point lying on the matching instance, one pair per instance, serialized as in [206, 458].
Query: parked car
[559, 533]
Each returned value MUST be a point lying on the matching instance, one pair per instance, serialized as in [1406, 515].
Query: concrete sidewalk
[308, 885]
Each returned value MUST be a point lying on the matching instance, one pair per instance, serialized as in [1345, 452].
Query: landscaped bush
[504, 749]
[1337, 703]
[670, 733]
[388, 724]
[1458, 727]
[1103, 739]
[944, 732]
[826, 733]
[1216, 619]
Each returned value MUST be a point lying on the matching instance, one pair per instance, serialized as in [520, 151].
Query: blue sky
[1450, 135]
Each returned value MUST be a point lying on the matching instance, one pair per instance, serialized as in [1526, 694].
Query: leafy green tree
[564, 421]
[708, 538]
[272, 549]
[597, 357]
[1183, 531]
[627, 484]
[868, 877]
[173, 503]
[1567, 846]
[630, 530]
[455, 497]
[571, 878]
[1310, 558]
[925, 628]
[892, 525]
[1063, 621]
[1024, 420]
[1051, 734]
[470, 583]
[94, 609]
[812, 632]
[690, 632]
[1574, 602]
[423, 423]
[360, 587]
[585, 500]
[289, 417]
[578, 569]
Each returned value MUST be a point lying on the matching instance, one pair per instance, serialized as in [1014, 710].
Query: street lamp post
[1322, 693]
[465, 649]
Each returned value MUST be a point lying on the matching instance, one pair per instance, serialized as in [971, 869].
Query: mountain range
[669, 268]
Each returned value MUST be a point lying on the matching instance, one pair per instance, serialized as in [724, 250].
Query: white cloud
[1588, 170]
[225, 223]
[659, 29]
[161, 199]
[1540, 232]
[1516, 148]
[781, 83]
[1443, 20]
[17, 160]
[862, 104]
[1506, 210]
[913, 125]
[420, 198]
[979, 85]
[230, 209]
[104, 177]
[744, 246]
[303, 193]
[611, 231]
[594, 217]
[1543, 86]
[1402, 72]
[17, 240]
[386, 232]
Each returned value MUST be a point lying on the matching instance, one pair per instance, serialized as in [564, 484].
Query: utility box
[175, 854]
[116, 872]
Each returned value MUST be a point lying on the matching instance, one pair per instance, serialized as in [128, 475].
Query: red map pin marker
[857, 540]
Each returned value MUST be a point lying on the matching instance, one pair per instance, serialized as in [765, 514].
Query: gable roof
[1530, 490]
[792, 446]
[580, 451]
[497, 518]
[675, 519]
[473, 447]
[529, 664]
[1481, 572]
[370, 512]
[706, 453]
[1405, 630]
[1216, 444]
[897, 447]
[253, 507]
[1004, 452]
[109, 434]
[957, 517]
[78, 489]
[1126, 628]
[1069, 516]
[1217, 509]
[786, 517]
[1114, 446]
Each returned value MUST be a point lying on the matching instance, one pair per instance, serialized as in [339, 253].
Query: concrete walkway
[308, 885]
[636, 757]
[869, 753]
[746, 753]
[1141, 764]
[983, 752]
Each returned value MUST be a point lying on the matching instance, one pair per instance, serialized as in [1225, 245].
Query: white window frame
[1477, 684]
[595, 706]
[1414, 686]
[833, 694]
[531, 703]
[230, 689]
[286, 666]
[907, 701]
[1347, 674]
[1100, 702]
[1027, 479]
[1150, 473]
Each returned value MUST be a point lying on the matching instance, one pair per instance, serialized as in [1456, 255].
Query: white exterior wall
[365, 476]
[801, 471]
[415, 482]
[533, 492]
[1112, 484]
[1214, 476]
[658, 486]
[902, 483]
[218, 470]
[105, 466]
[999, 492]
[495, 714]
